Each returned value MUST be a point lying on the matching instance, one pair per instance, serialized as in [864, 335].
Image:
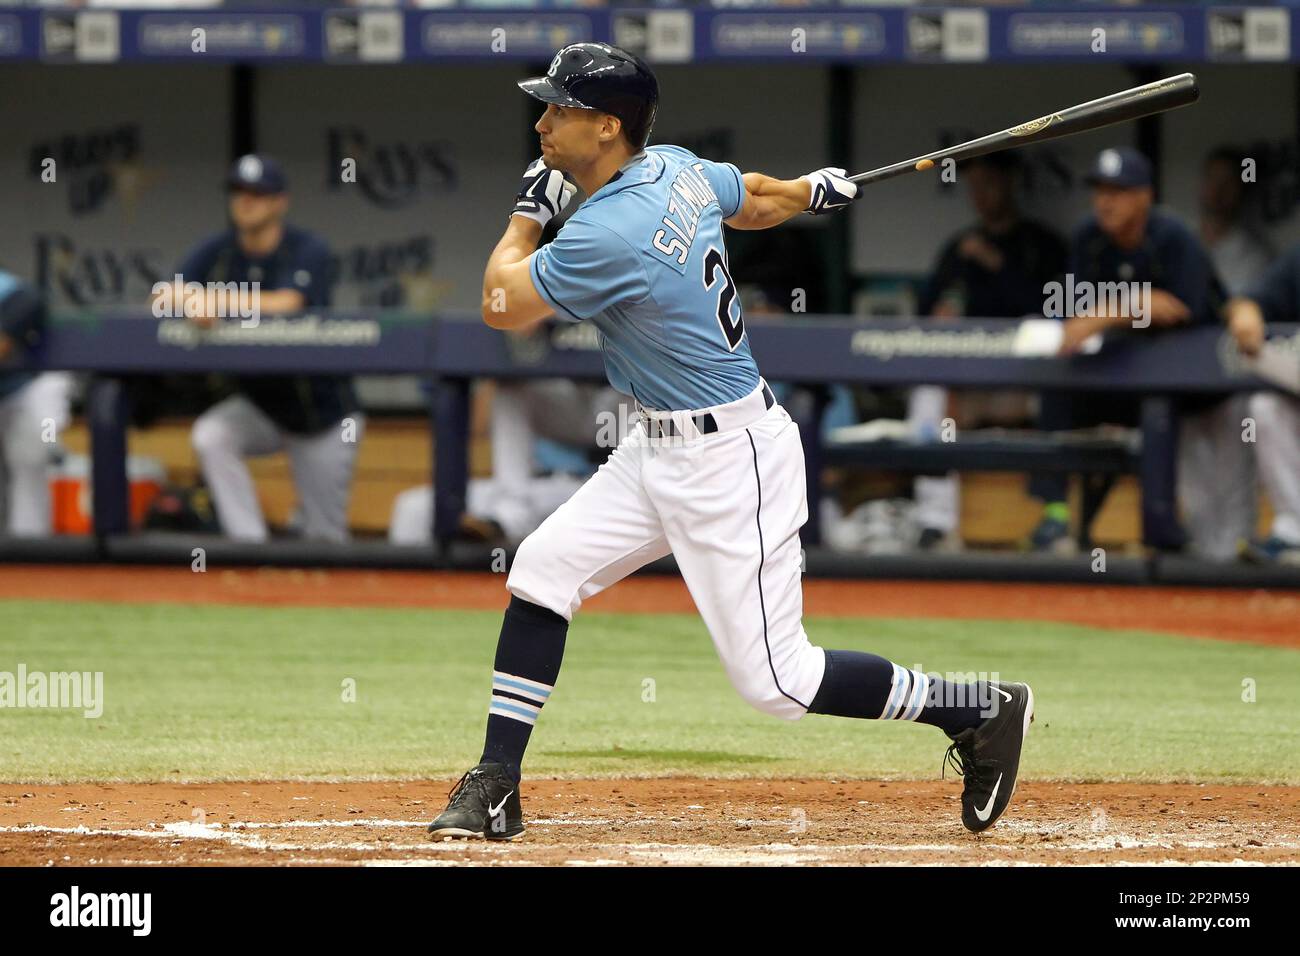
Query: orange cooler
[70, 491]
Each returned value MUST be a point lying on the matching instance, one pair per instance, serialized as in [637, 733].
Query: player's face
[571, 137]
[250, 211]
[1119, 208]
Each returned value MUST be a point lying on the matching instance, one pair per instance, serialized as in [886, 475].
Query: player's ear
[610, 128]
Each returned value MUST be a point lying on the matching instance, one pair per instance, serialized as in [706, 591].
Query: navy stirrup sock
[868, 686]
[529, 652]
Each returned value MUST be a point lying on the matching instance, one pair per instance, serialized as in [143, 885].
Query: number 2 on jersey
[715, 262]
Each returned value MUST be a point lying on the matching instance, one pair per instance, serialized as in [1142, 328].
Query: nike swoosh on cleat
[493, 811]
[1002, 692]
[983, 815]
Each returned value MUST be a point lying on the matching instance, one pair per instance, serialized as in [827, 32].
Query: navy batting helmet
[597, 76]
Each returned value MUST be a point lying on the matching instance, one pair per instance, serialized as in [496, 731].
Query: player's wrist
[526, 226]
[803, 193]
[538, 218]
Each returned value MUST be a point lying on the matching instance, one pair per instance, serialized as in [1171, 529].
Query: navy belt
[706, 423]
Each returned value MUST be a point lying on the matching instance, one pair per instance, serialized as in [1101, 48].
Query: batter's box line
[227, 834]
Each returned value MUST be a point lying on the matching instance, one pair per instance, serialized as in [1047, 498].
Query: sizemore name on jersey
[688, 199]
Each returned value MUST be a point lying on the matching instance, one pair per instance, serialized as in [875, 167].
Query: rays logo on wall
[93, 164]
[71, 274]
[391, 174]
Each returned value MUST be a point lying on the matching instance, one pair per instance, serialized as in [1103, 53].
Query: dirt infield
[659, 821]
[648, 822]
[1257, 616]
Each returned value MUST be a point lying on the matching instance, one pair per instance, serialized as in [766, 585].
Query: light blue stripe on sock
[520, 685]
[513, 710]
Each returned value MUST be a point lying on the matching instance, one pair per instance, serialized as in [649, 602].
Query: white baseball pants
[1216, 480]
[1277, 449]
[235, 429]
[938, 498]
[728, 506]
[27, 418]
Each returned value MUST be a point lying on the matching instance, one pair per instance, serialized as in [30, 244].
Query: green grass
[203, 693]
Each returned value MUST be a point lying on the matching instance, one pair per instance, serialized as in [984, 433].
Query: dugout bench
[1097, 461]
[452, 349]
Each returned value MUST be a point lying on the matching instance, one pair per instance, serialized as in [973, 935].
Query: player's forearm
[1104, 320]
[774, 200]
[277, 301]
[1161, 308]
[518, 243]
[1246, 323]
[1242, 309]
[510, 300]
[210, 302]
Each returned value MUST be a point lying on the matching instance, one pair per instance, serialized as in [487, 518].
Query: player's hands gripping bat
[543, 193]
[831, 190]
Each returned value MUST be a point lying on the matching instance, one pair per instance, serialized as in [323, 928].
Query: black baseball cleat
[484, 804]
[988, 756]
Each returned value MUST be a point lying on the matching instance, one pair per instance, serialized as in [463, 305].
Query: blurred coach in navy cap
[1129, 240]
[314, 418]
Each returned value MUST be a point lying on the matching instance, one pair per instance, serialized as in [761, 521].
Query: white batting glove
[543, 193]
[831, 190]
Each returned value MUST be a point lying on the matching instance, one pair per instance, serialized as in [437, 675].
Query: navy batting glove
[831, 190]
[543, 193]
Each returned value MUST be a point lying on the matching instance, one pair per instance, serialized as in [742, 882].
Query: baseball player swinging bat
[1157, 97]
[713, 472]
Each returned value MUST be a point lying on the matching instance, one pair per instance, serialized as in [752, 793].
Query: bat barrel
[1157, 97]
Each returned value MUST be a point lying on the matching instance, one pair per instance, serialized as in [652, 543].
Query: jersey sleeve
[586, 269]
[727, 185]
[1189, 275]
[1278, 290]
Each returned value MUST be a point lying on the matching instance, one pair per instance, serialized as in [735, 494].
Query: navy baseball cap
[259, 174]
[1123, 166]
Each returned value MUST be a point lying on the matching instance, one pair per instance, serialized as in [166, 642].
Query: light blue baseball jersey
[643, 260]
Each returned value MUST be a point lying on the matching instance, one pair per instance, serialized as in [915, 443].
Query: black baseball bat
[1140, 101]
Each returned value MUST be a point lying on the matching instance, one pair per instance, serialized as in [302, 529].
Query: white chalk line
[775, 853]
